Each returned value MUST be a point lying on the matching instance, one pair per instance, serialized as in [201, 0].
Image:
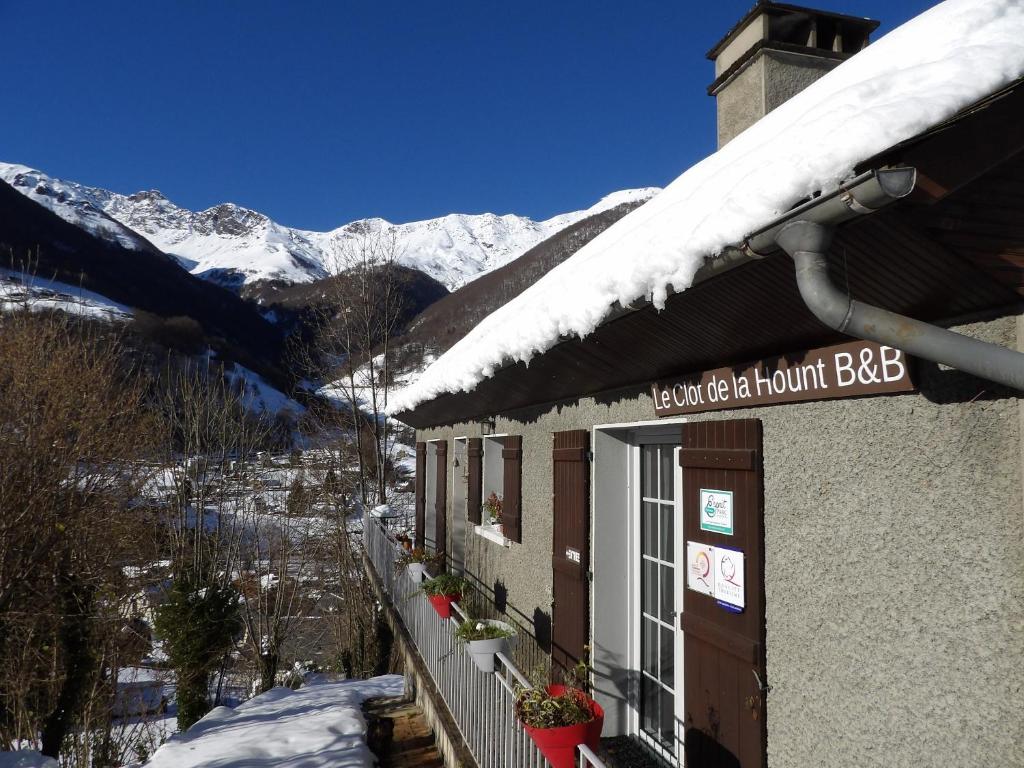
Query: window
[492, 494]
[501, 488]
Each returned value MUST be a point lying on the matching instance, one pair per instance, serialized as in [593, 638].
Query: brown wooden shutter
[570, 547]
[512, 501]
[441, 498]
[421, 485]
[474, 491]
[724, 653]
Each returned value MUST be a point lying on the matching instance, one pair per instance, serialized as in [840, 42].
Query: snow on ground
[19, 290]
[26, 758]
[160, 482]
[340, 392]
[313, 727]
[258, 395]
[142, 690]
[405, 458]
[908, 81]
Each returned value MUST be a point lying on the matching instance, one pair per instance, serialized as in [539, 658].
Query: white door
[659, 581]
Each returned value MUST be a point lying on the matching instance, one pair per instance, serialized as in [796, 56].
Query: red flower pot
[443, 604]
[558, 745]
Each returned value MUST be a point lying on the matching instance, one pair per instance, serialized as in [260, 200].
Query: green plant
[538, 708]
[578, 676]
[493, 506]
[198, 623]
[474, 629]
[418, 555]
[298, 499]
[445, 584]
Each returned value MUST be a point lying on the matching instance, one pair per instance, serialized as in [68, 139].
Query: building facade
[892, 548]
[776, 543]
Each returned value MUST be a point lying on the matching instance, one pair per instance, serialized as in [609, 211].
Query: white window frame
[485, 529]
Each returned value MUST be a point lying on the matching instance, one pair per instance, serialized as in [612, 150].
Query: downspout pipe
[807, 242]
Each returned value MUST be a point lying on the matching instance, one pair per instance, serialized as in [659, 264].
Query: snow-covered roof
[905, 83]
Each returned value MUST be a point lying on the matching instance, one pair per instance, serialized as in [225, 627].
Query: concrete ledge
[420, 685]
[490, 534]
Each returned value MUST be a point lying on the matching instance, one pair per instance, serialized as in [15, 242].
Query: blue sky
[318, 113]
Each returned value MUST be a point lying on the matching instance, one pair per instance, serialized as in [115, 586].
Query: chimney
[773, 53]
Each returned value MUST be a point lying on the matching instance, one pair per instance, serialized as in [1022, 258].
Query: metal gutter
[805, 233]
[807, 242]
[866, 193]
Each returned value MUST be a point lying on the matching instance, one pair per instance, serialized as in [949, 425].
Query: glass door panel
[658, 617]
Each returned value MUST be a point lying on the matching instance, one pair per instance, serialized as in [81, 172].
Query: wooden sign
[846, 370]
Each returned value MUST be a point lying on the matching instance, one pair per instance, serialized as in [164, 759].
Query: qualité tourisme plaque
[846, 370]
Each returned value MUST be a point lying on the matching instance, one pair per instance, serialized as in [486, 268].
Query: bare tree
[72, 426]
[363, 639]
[208, 430]
[283, 570]
[361, 313]
[233, 523]
[210, 460]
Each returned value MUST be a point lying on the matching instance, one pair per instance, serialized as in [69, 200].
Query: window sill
[489, 533]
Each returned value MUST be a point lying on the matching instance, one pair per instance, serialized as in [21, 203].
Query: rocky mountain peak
[236, 246]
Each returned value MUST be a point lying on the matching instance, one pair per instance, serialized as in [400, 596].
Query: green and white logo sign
[716, 511]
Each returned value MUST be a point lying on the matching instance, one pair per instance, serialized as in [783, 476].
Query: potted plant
[492, 507]
[416, 561]
[483, 639]
[561, 717]
[444, 590]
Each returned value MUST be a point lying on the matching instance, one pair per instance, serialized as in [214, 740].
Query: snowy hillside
[233, 246]
[458, 248]
[19, 291]
[83, 206]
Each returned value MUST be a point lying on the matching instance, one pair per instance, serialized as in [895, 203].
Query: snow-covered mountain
[234, 246]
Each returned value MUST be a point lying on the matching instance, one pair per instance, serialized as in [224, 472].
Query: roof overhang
[943, 253]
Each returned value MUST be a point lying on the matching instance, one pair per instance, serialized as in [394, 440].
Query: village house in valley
[758, 447]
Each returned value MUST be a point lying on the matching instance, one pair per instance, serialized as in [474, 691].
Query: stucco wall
[895, 577]
[894, 567]
[740, 104]
[771, 78]
[786, 74]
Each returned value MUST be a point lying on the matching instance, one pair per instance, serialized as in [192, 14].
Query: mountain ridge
[35, 241]
[235, 246]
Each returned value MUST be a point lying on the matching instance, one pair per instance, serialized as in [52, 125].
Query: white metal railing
[481, 703]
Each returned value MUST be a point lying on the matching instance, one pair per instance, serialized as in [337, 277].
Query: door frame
[613, 537]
